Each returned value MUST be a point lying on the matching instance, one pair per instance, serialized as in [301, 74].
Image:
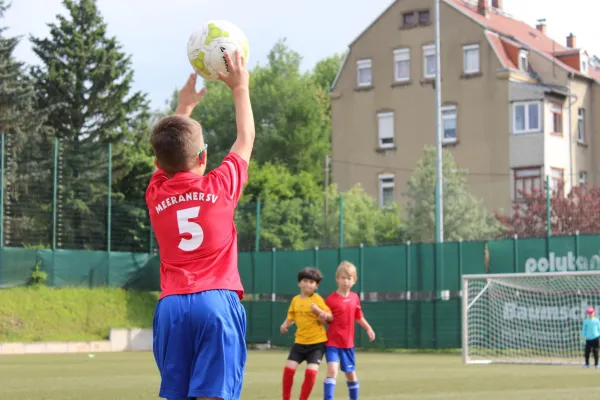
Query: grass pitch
[383, 376]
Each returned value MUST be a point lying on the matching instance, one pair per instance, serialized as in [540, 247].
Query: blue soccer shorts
[343, 356]
[200, 345]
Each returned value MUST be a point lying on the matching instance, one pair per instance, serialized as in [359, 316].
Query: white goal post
[528, 318]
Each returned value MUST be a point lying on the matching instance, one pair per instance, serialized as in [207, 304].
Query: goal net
[526, 318]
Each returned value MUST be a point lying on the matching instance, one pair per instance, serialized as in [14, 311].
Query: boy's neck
[343, 292]
[305, 295]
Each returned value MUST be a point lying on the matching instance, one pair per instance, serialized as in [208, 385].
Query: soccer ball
[206, 47]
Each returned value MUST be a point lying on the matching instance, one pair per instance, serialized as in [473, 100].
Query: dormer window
[524, 60]
[585, 63]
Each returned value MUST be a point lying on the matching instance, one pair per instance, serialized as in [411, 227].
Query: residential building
[516, 105]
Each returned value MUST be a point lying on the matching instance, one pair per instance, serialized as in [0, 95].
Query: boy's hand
[315, 309]
[238, 77]
[371, 334]
[323, 318]
[283, 329]
[188, 97]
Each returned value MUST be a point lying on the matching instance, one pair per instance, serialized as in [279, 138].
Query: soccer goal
[530, 318]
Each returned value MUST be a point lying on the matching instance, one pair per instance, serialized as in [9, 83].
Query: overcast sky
[155, 32]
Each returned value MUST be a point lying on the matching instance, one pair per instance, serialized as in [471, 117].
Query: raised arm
[238, 80]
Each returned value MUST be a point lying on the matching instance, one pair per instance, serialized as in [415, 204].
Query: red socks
[288, 382]
[310, 376]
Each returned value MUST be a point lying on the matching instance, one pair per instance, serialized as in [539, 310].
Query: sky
[155, 33]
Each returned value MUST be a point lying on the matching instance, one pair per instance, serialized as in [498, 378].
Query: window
[429, 61]
[557, 177]
[386, 190]
[526, 180]
[471, 59]
[526, 117]
[581, 125]
[584, 63]
[364, 74]
[409, 19]
[401, 65]
[413, 18]
[449, 124]
[582, 178]
[385, 122]
[524, 60]
[557, 121]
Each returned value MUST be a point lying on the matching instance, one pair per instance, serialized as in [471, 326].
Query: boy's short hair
[176, 142]
[348, 268]
[310, 273]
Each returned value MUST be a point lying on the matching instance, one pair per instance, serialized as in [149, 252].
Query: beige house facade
[516, 105]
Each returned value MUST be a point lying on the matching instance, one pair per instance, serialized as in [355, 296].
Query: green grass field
[129, 376]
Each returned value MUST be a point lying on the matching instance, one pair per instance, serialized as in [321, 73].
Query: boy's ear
[202, 158]
[156, 163]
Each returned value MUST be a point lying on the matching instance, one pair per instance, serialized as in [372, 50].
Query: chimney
[541, 27]
[497, 4]
[572, 41]
[482, 7]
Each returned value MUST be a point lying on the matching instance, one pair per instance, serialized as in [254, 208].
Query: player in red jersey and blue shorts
[200, 324]
[339, 351]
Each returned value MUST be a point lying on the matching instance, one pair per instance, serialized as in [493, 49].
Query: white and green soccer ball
[206, 47]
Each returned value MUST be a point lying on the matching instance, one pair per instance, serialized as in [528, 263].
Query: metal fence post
[273, 291]
[2, 157]
[407, 295]
[257, 233]
[54, 192]
[341, 221]
[109, 214]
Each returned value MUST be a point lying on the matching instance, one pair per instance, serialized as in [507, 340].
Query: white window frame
[581, 125]
[365, 63]
[446, 140]
[386, 185]
[380, 137]
[466, 50]
[527, 104]
[524, 56]
[401, 55]
[428, 51]
[582, 178]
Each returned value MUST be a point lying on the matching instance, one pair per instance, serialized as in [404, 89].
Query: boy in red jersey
[199, 325]
[339, 351]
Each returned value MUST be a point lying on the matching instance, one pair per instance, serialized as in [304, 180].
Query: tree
[26, 174]
[577, 211]
[88, 78]
[464, 215]
[326, 70]
[292, 212]
[290, 110]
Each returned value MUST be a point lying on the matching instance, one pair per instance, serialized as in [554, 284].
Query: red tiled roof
[519, 30]
[500, 50]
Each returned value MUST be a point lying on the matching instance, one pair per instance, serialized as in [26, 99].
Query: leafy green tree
[364, 221]
[326, 70]
[88, 78]
[290, 110]
[292, 213]
[464, 215]
[27, 219]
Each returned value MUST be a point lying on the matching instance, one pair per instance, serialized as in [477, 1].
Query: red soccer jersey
[345, 311]
[192, 218]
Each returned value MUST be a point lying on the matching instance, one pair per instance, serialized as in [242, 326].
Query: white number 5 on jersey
[186, 226]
